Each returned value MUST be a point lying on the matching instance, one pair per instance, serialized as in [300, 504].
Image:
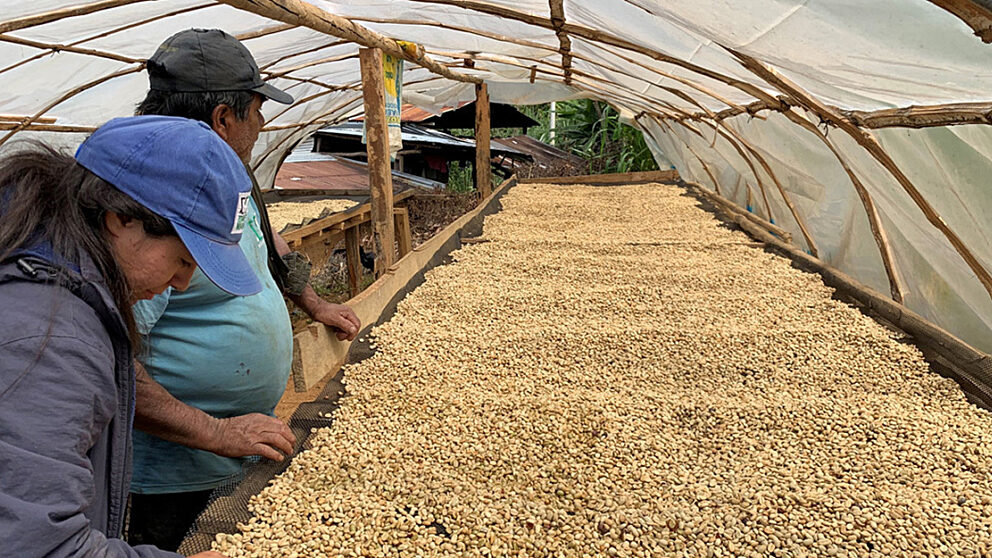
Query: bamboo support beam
[73, 46]
[807, 236]
[564, 43]
[266, 31]
[52, 47]
[300, 13]
[285, 57]
[922, 116]
[89, 85]
[977, 15]
[596, 35]
[36, 127]
[874, 221]
[47, 17]
[720, 132]
[870, 144]
[483, 158]
[312, 63]
[749, 201]
[377, 143]
[916, 116]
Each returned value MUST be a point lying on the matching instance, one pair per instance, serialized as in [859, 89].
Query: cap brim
[277, 95]
[224, 264]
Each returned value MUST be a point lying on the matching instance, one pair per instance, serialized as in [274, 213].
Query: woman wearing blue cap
[145, 200]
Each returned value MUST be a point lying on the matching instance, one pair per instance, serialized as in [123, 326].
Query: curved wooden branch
[747, 187]
[870, 144]
[67, 96]
[301, 53]
[48, 17]
[975, 14]
[602, 37]
[565, 44]
[297, 12]
[754, 170]
[52, 47]
[807, 236]
[874, 221]
[266, 31]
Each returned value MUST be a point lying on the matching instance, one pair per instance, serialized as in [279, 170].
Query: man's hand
[207, 554]
[340, 317]
[254, 434]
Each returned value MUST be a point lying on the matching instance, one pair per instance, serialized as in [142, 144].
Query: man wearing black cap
[215, 365]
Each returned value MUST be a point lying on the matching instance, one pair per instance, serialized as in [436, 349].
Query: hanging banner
[392, 69]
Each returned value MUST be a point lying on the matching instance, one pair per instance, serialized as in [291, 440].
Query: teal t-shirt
[226, 355]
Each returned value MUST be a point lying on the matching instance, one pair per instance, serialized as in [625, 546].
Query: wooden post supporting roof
[377, 143]
[353, 257]
[483, 160]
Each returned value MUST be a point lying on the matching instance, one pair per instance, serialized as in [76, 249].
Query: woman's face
[150, 263]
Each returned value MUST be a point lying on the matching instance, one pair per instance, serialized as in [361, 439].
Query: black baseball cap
[208, 60]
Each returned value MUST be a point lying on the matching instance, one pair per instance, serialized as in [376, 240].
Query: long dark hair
[45, 194]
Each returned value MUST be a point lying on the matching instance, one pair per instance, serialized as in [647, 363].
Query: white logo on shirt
[242, 213]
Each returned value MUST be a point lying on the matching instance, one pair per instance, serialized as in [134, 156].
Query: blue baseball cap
[184, 172]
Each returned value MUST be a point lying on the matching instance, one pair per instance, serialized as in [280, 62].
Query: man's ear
[116, 224]
[221, 119]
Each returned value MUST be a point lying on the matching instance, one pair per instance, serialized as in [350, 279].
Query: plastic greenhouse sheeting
[71, 73]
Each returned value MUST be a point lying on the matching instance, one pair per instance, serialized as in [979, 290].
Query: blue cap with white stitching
[184, 172]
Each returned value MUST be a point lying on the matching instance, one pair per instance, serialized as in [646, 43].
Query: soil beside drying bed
[615, 373]
[429, 213]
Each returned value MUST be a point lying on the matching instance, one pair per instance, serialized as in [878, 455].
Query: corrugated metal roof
[540, 151]
[419, 135]
[333, 173]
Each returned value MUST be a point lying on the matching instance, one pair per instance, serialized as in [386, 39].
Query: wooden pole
[377, 143]
[401, 218]
[352, 254]
[483, 165]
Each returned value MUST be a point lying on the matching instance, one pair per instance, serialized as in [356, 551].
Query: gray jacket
[66, 408]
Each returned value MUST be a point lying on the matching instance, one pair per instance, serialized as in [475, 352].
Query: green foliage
[592, 130]
[460, 177]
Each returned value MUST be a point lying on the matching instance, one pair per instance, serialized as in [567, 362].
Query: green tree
[592, 130]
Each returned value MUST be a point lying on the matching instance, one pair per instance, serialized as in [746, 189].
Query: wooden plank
[610, 179]
[354, 262]
[377, 143]
[328, 223]
[732, 210]
[483, 159]
[317, 351]
[401, 219]
[319, 247]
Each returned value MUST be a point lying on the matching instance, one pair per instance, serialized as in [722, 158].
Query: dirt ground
[429, 214]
